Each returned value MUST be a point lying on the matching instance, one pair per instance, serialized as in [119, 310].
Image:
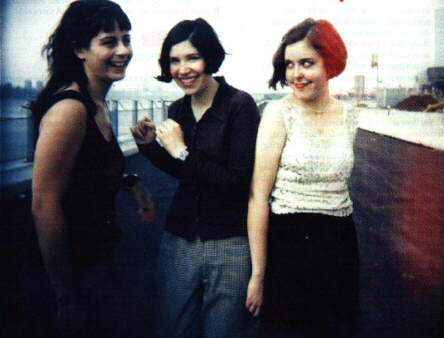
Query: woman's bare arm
[61, 133]
[270, 142]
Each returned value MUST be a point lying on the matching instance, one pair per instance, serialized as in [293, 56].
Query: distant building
[439, 34]
[359, 86]
[28, 84]
[420, 81]
[435, 76]
[39, 85]
[390, 97]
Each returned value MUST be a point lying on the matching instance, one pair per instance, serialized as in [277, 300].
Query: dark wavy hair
[323, 37]
[81, 22]
[202, 36]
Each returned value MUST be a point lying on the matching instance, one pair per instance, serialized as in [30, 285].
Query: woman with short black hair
[208, 144]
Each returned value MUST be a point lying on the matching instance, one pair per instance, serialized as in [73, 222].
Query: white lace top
[314, 168]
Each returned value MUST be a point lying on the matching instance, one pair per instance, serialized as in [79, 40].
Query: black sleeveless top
[88, 201]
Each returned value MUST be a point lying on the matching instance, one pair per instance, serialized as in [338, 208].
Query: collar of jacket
[219, 101]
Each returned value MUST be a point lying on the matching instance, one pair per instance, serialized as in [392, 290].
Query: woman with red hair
[305, 259]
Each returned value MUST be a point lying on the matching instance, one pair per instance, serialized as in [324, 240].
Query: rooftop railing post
[135, 116]
[30, 139]
[151, 110]
[115, 117]
[164, 110]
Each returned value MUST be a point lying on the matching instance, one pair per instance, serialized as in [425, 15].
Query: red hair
[323, 37]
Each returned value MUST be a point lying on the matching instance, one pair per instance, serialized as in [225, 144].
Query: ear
[80, 53]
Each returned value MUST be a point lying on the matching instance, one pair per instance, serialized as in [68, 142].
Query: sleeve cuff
[147, 148]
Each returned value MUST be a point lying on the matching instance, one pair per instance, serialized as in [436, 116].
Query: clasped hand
[169, 133]
[144, 132]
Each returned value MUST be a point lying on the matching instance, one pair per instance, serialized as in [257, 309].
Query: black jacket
[214, 180]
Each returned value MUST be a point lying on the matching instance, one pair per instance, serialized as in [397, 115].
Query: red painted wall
[399, 188]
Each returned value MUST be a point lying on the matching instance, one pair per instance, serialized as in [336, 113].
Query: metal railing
[125, 114]
[17, 133]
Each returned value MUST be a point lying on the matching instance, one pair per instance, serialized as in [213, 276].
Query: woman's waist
[313, 176]
[287, 225]
[79, 213]
[309, 191]
[330, 202]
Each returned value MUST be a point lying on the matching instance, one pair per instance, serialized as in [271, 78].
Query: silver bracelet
[183, 155]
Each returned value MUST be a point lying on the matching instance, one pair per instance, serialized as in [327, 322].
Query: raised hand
[144, 132]
[170, 135]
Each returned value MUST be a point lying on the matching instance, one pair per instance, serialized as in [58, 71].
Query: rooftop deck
[397, 188]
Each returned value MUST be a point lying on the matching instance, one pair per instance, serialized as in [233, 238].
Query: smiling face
[187, 67]
[305, 72]
[108, 56]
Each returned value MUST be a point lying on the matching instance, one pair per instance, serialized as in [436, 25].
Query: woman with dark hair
[79, 166]
[207, 143]
[305, 261]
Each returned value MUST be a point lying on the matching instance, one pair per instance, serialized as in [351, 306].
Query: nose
[298, 72]
[124, 49]
[183, 67]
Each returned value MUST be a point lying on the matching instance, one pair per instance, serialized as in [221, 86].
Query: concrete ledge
[416, 127]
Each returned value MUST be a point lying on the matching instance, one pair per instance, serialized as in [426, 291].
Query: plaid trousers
[202, 287]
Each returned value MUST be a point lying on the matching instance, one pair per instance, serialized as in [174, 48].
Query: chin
[304, 96]
[189, 91]
[117, 77]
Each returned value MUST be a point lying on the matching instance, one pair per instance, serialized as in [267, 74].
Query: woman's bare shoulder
[66, 117]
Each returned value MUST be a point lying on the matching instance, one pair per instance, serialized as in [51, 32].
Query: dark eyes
[192, 57]
[304, 63]
[111, 41]
[127, 40]
[289, 64]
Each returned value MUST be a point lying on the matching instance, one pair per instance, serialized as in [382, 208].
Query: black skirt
[312, 271]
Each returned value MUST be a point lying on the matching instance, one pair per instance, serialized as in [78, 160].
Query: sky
[402, 32]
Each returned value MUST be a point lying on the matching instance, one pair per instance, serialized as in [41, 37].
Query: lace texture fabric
[315, 166]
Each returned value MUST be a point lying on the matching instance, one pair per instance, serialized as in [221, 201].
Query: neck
[205, 97]
[318, 104]
[98, 90]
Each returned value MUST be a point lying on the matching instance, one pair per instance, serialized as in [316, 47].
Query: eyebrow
[300, 60]
[186, 55]
[106, 35]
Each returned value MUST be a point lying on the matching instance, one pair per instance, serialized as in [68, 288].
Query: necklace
[316, 112]
[319, 112]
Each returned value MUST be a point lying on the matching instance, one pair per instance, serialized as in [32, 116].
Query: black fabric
[212, 196]
[312, 276]
[89, 196]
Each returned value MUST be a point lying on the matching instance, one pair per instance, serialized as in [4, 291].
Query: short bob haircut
[323, 37]
[202, 36]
